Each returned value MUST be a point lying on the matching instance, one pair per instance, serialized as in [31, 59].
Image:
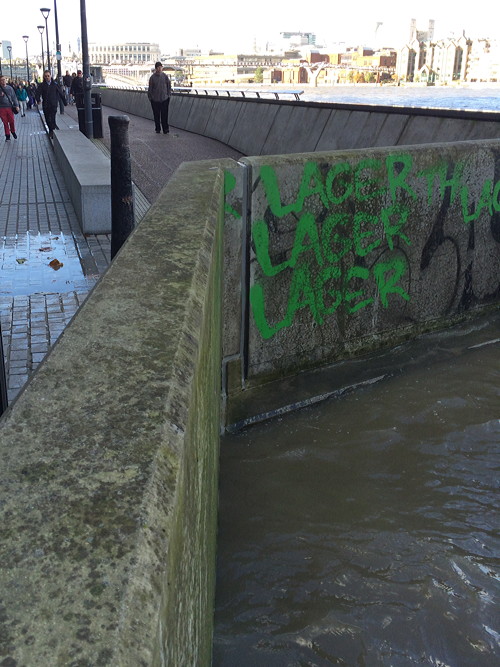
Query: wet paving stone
[38, 226]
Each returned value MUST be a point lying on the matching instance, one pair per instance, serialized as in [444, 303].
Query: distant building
[421, 35]
[189, 53]
[484, 61]
[5, 49]
[299, 37]
[221, 68]
[423, 59]
[129, 53]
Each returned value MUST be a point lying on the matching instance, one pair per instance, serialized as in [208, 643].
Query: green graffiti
[317, 285]
[361, 222]
[495, 198]
[394, 219]
[356, 273]
[387, 275]
[322, 295]
[327, 246]
[366, 187]
[260, 236]
[345, 187]
[311, 184]
[317, 276]
[397, 179]
[229, 185]
[440, 173]
[341, 182]
[306, 229]
[331, 240]
[485, 201]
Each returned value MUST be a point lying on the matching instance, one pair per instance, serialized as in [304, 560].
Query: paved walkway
[38, 225]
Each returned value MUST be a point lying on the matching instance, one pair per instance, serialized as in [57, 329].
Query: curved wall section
[279, 127]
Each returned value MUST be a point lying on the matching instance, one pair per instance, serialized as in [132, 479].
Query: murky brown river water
[365, 531]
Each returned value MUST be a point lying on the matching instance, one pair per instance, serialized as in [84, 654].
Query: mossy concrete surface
[109, 457]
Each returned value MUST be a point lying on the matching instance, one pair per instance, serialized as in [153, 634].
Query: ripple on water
[364, 531]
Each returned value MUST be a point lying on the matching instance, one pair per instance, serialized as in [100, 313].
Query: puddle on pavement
[42, 263]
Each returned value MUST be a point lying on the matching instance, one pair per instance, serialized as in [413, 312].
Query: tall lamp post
[58, 57]
[9, 49]
[87, 85]
[45, 13]
[26, 37]
[41, 28]
[58, 46]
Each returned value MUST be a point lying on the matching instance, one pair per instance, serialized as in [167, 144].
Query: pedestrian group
[19, 97]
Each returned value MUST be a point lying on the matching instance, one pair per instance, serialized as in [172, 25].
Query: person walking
[159, 92]
[50, 93]
[67, 81]
[8, 102]
[77, 90]
[31, 95]
[22, 96]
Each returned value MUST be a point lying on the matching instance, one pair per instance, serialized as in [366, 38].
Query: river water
[365, 531]
[476, 97]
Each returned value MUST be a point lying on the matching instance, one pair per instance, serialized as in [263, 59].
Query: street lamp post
[41, 28]
[87, 85]
[45, 13]
[58, 46]
[26, 37]
[58, 57]
[9, 49]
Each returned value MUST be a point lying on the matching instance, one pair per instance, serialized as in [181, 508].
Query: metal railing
[218, 92]
[238, 93]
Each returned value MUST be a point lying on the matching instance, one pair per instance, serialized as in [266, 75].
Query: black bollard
[3, 379]
[122, 196]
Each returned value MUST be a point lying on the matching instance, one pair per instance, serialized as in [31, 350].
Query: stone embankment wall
[108, 483]
[109, 458]
[279, 127]
[376, 236]
[348, 252]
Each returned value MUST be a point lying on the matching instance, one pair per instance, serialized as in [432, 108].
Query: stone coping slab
[87, 174]
[108, 488]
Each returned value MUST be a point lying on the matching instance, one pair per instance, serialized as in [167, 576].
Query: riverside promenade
[39, 230]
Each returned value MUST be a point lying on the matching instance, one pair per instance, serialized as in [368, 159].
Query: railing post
[122, 196]
[3, 379]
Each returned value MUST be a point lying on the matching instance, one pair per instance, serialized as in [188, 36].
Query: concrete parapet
[130, 101]
[348, 252]
[108, 489]
[277, 127]
[87, 175]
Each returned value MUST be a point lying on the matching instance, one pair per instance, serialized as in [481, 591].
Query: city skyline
[221, 26]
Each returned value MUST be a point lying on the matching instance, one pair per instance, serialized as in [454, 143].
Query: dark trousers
[50, 116]
[160, 114]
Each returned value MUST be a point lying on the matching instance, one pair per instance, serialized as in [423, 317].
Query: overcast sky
[222, 25]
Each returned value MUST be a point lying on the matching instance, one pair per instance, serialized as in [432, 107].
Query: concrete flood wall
[349, 252]
[108, 480]
[108, 483]
[279, 127]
